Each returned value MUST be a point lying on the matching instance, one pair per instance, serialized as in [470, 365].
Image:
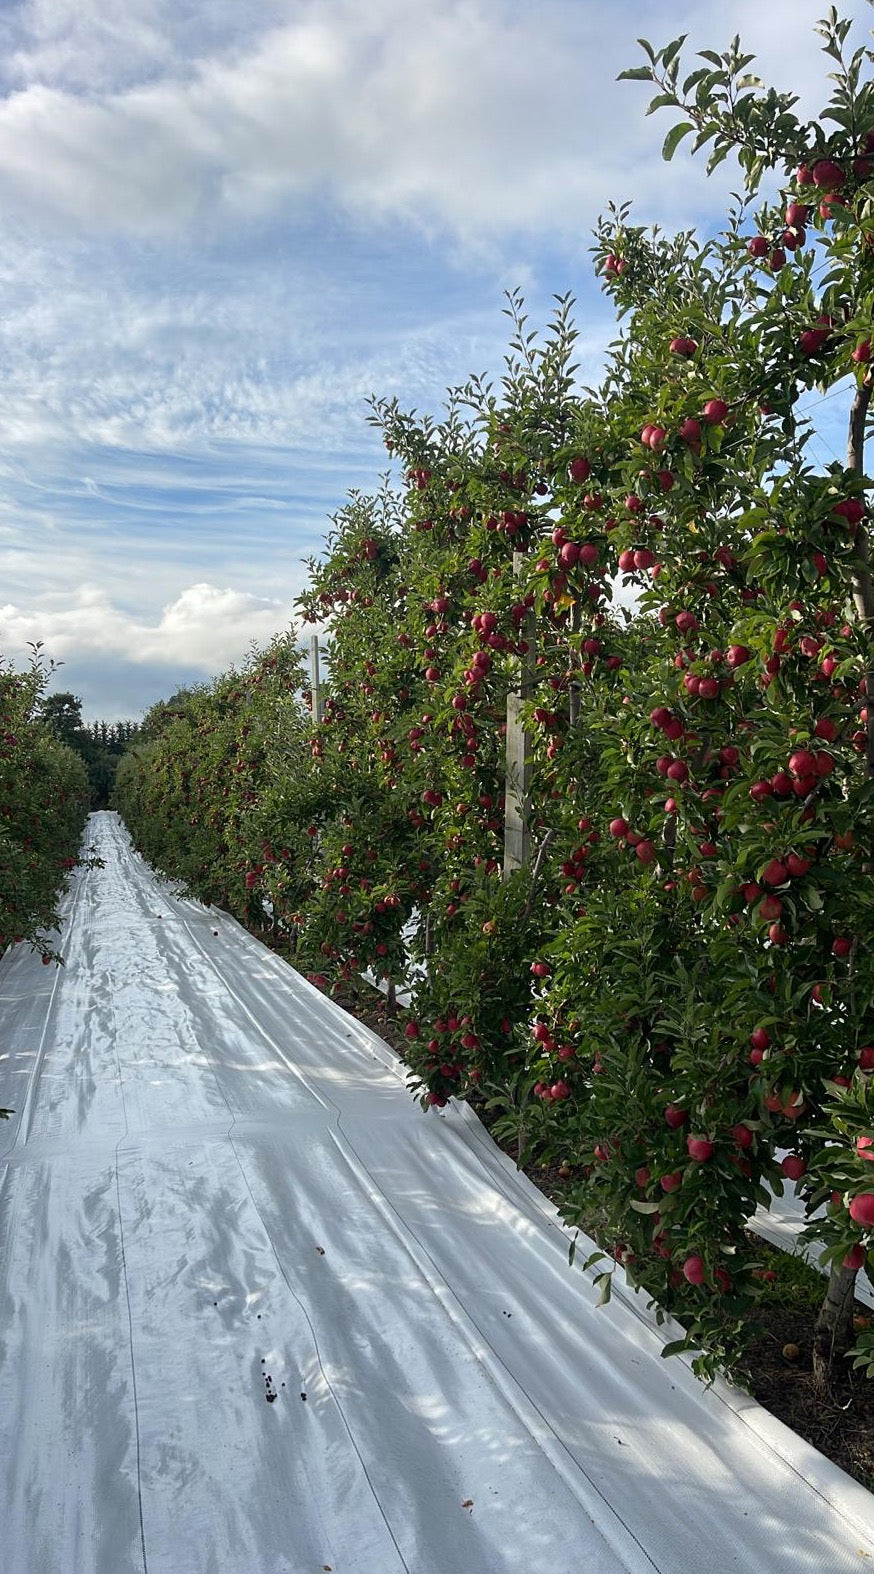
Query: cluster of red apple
[805, 770]
[420, 476]
[642, 846]
[574, 866]
[714, 413]
[614, 266]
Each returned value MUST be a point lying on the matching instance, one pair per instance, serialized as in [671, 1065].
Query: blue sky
[226, 223]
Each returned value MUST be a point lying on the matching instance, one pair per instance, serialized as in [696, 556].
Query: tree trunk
[833, 1334]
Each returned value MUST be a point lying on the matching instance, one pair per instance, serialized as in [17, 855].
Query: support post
[315, 683]
[517, 788]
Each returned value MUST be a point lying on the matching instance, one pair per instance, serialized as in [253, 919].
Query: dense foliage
[205, 790]
[661, 591]
[99, 745]
[43, 805]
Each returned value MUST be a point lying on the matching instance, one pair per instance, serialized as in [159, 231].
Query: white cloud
[476, 115]
[226, 222]
[172, 352]
[91, 44]
[206, 627]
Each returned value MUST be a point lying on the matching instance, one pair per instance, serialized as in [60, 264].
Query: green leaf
[662, 101]
[694, 78]
[635, 74]
[676, 1347]
[674, 138]
[644, 1207]
[671, 51]
[717, 157]
[605, 1283]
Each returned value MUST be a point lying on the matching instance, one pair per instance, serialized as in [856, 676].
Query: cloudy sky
[225, 223]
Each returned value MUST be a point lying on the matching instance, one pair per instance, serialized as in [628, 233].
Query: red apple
[736, 655]
[812, 340]
[862, 1209]
[699, 1148]
[802, 763]
[695, 1269]
[827, 175]
[775, 872]
[689, 431]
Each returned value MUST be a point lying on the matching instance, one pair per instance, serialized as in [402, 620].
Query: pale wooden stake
[517, 789]
[315, 684]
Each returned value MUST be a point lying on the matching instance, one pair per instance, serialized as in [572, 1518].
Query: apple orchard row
[627, 635]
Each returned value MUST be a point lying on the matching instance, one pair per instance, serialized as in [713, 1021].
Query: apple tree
[725, 955]
[43, 806]
[201, 789]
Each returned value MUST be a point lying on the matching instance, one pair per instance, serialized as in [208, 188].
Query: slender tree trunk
[833, 1334]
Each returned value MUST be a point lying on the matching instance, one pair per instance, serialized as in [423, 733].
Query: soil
[840, 1424]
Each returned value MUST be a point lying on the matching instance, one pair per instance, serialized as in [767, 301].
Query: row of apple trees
[43, 804]
[674, 993]
[203, 789]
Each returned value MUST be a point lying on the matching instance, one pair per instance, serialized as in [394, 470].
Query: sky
[226, 223]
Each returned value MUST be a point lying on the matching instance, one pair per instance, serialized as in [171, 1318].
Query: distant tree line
[99, 744]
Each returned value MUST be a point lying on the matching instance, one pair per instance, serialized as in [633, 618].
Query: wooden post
[517, 788]
[315, 684]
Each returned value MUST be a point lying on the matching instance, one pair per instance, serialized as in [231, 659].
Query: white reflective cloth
[261, 1315]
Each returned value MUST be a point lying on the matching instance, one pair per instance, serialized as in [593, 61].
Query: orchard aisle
[259, 1315]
